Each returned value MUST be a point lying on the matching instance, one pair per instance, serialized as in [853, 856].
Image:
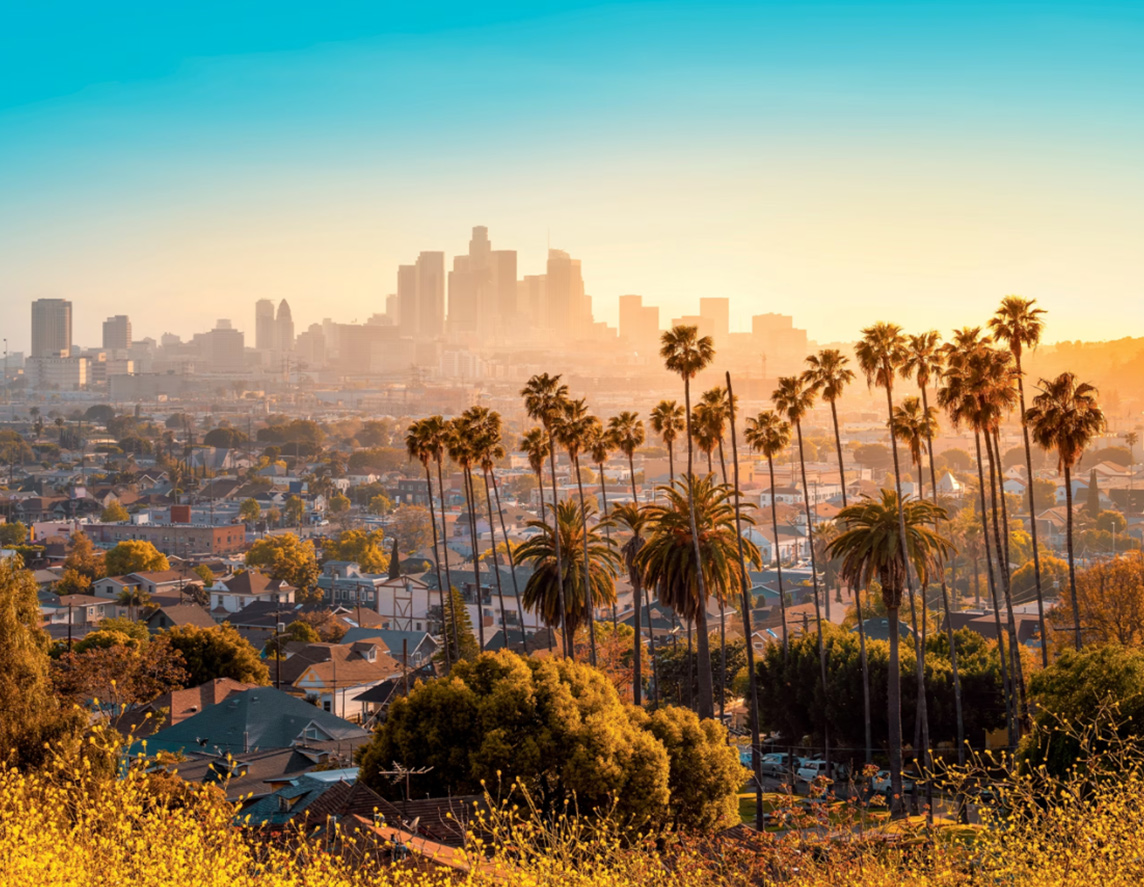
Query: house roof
[254, 582]
[185, 614]
[259, 718]
[340, 663]
[178, 705]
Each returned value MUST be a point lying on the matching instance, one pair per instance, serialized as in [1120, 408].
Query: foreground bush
[75, 823]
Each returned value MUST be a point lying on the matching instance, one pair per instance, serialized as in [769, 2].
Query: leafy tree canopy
[218, 652]
[134, 556]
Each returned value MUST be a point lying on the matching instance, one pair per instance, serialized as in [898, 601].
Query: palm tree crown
[793, 398]
[827, 373]
[881, 350]
[768, 433]
[1065, 417]
[914, 425]
[685, 352]
[627, 432]
[923, 359]
[667, 421]
[534, 445]
[1018, 324]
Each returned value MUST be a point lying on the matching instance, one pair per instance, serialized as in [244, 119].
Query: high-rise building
[705, 325]
[569, 309]
[264, 327]
[531, 301]
[776, 339]
[430, 295]
[224, 349]
[284, 328]
[117, 333]
[51, 327]
[483, 288]
[717, 310]
[639, 323]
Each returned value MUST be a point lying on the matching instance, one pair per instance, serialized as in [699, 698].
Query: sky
[839, 162]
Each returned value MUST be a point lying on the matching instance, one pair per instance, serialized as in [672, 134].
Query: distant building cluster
[467, 321]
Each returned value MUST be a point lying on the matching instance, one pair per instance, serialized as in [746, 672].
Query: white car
[777, 765]
[811, 769]
[881, 783]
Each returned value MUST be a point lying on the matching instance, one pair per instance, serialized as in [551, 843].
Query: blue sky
[831, 161]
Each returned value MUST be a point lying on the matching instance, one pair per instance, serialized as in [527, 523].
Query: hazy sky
[840, 162]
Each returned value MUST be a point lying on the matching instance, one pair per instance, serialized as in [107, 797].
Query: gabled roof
[254, 582]
[260, 718]
[184, 614]
[178, 705]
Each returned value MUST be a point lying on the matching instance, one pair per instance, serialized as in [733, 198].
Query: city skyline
[170, 169]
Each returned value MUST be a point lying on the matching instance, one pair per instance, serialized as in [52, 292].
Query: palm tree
[600, 448]
[1018, 324]
[793, 398]
[462, 451]
[631, 516]
[552, 587]
[1065, 417]
[703, 419]
[668, 560]
[436, 433]
[667, 420]
[687, 353]
[973, 394]
[488, 449]
[544, 398]
[418, 446]
[718, 410]
[576, 430]
[828, 374]
[535, 447]
[627, 434]
[769, 433]
[874, 545]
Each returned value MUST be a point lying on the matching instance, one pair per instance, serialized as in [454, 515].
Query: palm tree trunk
[865, 676]
[778, 554]
[471, 496]
[722, 613]
[894, 713]
[586, 583]
[437, 562]
[1069, 543]
[511, 565]
[566, 637]
[752, 678]
[496, 563]
[1022, 712]
[608, 533]
[445, 552]
[1032, 515]
[814, 582]
[637, 600]
[992, 582]
[706, 707]
[896, 736]
[670, 463]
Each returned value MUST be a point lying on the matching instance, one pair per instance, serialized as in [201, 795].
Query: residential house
[176, 616]
[334, 676]
[235, 593]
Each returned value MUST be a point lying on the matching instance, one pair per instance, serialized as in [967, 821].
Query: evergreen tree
[394, 562]
[1092, 500]
[466, 646]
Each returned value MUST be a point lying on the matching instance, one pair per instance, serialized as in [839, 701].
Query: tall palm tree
[718, 411]
[488, 450]
[462, 451]
[418, 446]
[551, 587]
[631, 516]
[508, 553]
[544, 399]
[1065, 417]
[600, 448]
[668, 561]
[794, 398]
[703, 420]
[627, 434]
[874, 545]
[769, 433]
[436, 431]
[575, 431]
[828, 374]
[535, 447]
[667, 420]
[1017, 323]
[967, 396]
[687, 353]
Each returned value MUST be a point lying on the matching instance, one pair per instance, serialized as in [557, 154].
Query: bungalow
[333, 676]
[237, 592]
[178, 615]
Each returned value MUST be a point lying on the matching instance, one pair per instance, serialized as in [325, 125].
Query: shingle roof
[260, 718]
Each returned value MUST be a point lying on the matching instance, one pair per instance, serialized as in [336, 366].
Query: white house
[237, 592]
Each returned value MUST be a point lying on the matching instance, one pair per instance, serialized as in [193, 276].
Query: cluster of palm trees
[688, 546]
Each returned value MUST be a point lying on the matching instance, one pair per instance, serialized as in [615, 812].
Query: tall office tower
[482, 288]
[284, 328]
[264, 329]
[569, 311]
[407, 299]
[530, 299]
[224, 348]
[393, 309]
[311, 346]
[639, 323]
[718, 311]
[51, 327]
[117, 333]
[775, 337]
[430, 295]
[504, 308]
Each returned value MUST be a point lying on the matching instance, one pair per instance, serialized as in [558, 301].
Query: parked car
[778, 765]
[881, 782]
[812, 769]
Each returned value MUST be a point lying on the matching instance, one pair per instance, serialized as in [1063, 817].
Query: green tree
[296, 632]
[134, 556]
[366, 549]
[295, 511]
[84, 558]
[30, 715]
[114, 514]
[462, 643]
[1096, 689]
[13, 534]
[339, 505]
[667, 421]
[218, 652]
[380, 504]
[287, 559]
[555, 725]
[249, 511]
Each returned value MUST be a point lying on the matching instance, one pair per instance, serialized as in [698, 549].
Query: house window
[325, 705]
